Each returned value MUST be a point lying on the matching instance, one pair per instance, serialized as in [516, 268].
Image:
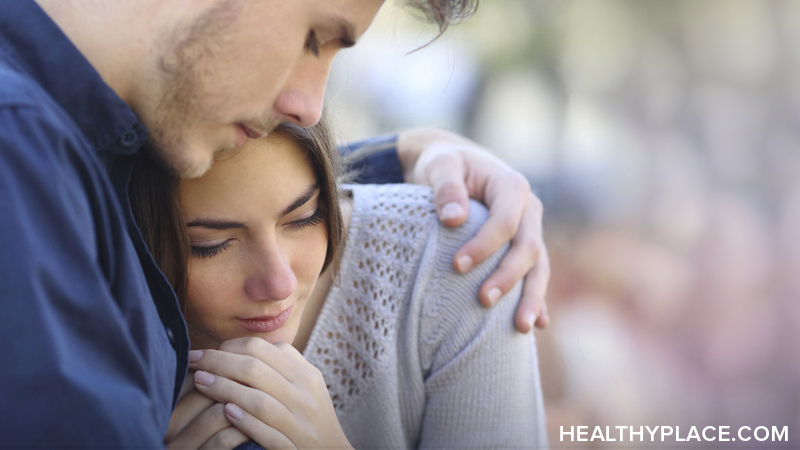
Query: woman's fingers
[258, 403]
[202, 428]
[297, 408]
[188, 407]
[265, 435]
[292, 352]
[267, 368]
[227, 439]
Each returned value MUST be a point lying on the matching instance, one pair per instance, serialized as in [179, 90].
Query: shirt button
[170, 336]
[129, 138]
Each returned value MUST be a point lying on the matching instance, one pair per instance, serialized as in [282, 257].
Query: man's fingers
[544, 318]
[514, 265]
[450, 195]
[229, 438]
[532, 307]
[501, 226]
[265, 435]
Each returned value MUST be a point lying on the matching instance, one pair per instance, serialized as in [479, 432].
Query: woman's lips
[265, 324]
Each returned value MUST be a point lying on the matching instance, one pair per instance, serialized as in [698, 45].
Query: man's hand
[459, 169]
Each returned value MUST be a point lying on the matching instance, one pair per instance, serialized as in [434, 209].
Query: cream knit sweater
[410, 357]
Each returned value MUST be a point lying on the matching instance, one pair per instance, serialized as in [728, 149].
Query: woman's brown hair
[153, 192]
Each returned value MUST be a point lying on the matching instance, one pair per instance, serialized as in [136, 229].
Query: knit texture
[410, 357]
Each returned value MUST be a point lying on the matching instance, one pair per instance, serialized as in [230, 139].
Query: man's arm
[459, 169]
[72, 375]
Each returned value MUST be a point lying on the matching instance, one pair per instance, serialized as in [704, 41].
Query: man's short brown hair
[444, 12]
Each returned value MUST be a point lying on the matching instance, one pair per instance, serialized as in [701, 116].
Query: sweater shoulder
[354, 338]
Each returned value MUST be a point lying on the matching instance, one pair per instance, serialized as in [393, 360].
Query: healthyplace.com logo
[668, 433]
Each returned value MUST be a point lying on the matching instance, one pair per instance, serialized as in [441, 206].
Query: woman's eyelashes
[208, 252]
[315, 219]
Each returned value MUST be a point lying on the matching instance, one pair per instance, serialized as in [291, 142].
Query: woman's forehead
[271, 166]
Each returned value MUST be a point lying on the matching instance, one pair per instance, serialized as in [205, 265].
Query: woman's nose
[272, 280]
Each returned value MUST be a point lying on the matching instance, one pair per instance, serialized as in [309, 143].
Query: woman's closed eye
[315, 219]
[207, 251]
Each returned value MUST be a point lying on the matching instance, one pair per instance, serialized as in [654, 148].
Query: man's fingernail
[204, 378]
[464, 263]
[451, 210]
[530, 319]
[234, 411]
[195, 355]
[494, 295]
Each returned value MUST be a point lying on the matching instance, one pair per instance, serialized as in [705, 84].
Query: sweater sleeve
[481, 376]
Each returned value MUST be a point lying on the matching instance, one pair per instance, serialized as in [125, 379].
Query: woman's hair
[153, 192]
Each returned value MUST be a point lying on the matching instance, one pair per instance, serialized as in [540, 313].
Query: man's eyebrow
[213, 224]
[346, 31]
[301, 200]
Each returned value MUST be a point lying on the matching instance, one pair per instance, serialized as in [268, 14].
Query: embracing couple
[167, 184]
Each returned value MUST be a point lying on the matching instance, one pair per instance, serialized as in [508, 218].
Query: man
[95, 348]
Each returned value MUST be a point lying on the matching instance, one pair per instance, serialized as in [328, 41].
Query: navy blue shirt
[93, 347]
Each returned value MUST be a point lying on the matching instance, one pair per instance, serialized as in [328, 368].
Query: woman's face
[258, 243]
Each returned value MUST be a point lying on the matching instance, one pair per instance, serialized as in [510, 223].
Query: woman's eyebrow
[301, 200]
[214, 224]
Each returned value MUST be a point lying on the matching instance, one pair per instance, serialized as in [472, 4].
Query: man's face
[237, 69]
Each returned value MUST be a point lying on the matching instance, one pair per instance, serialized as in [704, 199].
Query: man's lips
[251, 133]
[243, 132]
[265, 324]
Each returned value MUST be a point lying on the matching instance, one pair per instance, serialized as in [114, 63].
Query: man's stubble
[189, 97]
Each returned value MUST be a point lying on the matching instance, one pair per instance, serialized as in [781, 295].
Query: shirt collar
[35, 45]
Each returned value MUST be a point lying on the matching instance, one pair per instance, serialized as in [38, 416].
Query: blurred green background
[662, 137]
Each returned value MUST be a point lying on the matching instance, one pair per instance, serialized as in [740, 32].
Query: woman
[396, 354]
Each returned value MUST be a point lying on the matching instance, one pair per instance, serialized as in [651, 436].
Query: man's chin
[193, 169]
[183, 166]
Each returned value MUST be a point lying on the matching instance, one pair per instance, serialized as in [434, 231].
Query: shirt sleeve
[481, 376]
[72, 375]
[373, 161]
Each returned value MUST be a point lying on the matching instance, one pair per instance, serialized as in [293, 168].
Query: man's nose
[273, 279]
[301, 100]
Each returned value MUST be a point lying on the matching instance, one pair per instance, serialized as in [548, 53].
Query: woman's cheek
[209, 294]
[318, 248]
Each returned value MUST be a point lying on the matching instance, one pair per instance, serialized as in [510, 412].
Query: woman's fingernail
[494, 295]
[204, 378]
[451, 210]
[234, 411]
[464, 263]
[195, 355]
